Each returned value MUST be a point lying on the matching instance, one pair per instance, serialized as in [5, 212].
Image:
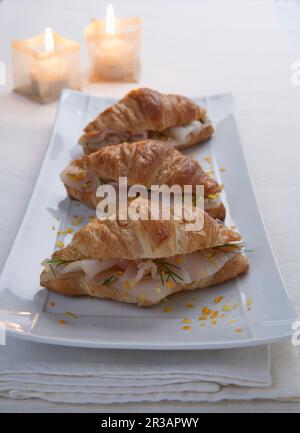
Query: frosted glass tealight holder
[114, 57]
[42, 74]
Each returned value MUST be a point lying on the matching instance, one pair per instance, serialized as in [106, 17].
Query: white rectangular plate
[255, 308]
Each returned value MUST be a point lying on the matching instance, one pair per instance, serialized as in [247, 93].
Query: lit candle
[114, 48]
[43, 65]
[49, 74]
[114, 55]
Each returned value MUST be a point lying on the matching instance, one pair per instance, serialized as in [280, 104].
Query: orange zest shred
[206, 310]
[75, 221]
[214, 314]
[68, 313]
[249, 302]
[227, 307]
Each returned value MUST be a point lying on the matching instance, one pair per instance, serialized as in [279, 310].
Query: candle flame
[49, 40]
[110, 20]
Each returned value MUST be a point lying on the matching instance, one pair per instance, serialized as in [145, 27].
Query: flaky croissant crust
[142, 110]
[90, 199]
[78, 286]
[138, 239]
[148, 162]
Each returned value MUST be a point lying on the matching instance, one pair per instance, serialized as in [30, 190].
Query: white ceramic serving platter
[255, 308]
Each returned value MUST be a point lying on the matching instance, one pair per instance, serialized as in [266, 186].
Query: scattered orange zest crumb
[68, 313]
[59, 244]
[190, 305]
[186, 328]
[238, 330]
[76, 221]
[227, 307]
[213, 322]
[214, 314]
[218, 299]
[201, 318]
[207, 158]
[186, 320]
[168, 309]
[249, 302]
[62, 322]
[206, 310]
[222, 169]
[232, 321]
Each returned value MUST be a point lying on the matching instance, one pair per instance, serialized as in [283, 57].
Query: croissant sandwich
[144, 113]
[144, 261]
[148, 162]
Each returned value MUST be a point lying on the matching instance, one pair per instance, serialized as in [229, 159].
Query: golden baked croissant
[143, 261]
[148, 162]
[144, 113]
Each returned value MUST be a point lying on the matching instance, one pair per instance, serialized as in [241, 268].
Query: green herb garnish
[110, 280]
[55, 262]
[167, 269]
[233, 248]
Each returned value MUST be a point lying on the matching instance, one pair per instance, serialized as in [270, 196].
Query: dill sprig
[55, 262]
[167, 269]
[233, 248]
[110, 280]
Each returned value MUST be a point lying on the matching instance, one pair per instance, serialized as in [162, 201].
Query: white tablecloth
[195, 48]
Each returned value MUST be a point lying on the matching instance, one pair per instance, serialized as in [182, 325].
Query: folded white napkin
[82, 376]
